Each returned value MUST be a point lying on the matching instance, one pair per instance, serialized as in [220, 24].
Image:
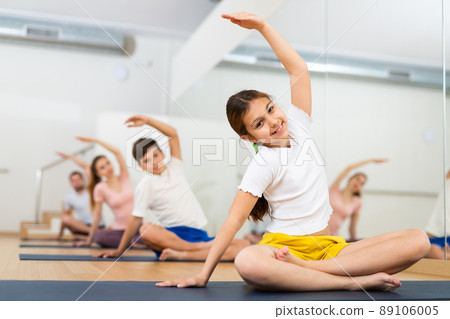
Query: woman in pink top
[115, 191]
[347, 202]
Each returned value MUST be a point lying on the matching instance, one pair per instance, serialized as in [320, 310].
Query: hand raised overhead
[85, 139]
[137, 120]
[245, 20]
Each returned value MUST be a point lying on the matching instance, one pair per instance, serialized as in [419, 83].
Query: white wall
[48, 96]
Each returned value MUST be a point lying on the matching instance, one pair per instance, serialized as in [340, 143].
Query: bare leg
[74, 225]
[235, 247]
[159, 238]
[397, 251]
[437, 252]
[259, 267]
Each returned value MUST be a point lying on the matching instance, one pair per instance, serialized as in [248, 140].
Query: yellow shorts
[306, 247]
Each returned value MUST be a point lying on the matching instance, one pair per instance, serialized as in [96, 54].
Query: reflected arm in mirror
[353, 166]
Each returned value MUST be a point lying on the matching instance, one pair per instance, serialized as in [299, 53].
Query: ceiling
[407, 30]
[175, 17]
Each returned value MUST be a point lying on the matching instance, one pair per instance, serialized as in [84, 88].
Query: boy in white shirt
[165, 191]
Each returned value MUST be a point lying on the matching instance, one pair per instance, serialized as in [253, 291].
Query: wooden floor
[11, 268]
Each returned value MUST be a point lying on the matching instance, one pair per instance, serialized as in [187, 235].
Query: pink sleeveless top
[341, 211]
[121, 204]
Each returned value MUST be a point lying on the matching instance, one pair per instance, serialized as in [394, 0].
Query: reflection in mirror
[438, 225]
[384, 117]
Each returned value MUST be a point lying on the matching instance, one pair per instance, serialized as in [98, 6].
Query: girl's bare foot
[379, 281]
[283, 254]
[170, 254]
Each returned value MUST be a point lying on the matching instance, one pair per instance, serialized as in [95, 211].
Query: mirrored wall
[378, 108]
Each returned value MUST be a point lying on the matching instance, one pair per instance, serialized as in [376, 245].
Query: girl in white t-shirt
[286, 179]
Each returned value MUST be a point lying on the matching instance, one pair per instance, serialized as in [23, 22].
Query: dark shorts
[110, 238]
[190, 234]
[99, 226]
[440, 241]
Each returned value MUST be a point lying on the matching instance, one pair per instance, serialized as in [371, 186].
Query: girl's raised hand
[85, 139]
[136, 120]
[63, 155]
[183, 283]
[380, 160]
[245, 20]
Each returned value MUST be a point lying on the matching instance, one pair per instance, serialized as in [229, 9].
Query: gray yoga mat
[90, 258]
[46, 239]
[216, 291]
[83, 258]
[70, 246]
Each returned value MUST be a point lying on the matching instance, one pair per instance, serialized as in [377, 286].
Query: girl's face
[265, 122]
[104, 168]
[356, 183]
[153, 161]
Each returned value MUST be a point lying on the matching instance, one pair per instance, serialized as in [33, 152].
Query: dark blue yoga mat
[46, 239]
[16, 290]
[70, 246]
[83, 258]
[90, 258]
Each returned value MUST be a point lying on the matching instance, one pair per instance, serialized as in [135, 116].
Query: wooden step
[47, 216]
[44, 226]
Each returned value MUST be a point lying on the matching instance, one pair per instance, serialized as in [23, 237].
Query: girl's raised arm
[296, 67]
[351, 167]
[85, 166]
[111, 148]
[240, 210]
[166, 129]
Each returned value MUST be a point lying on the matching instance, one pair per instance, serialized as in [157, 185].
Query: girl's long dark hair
[94, 180]
[237, 106]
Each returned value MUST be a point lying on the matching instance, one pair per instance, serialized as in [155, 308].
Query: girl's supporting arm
[240, 210]
[94, 226]
[132, 227]
[352, 227]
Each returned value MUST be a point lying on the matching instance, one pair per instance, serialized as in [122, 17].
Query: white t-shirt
[80, 205]
[169, 197]
[292, 180]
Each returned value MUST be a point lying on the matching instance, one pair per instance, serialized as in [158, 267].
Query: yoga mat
[90, 258]
[70, 246]
[84, 258]
[17, 290]
[46, 239]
